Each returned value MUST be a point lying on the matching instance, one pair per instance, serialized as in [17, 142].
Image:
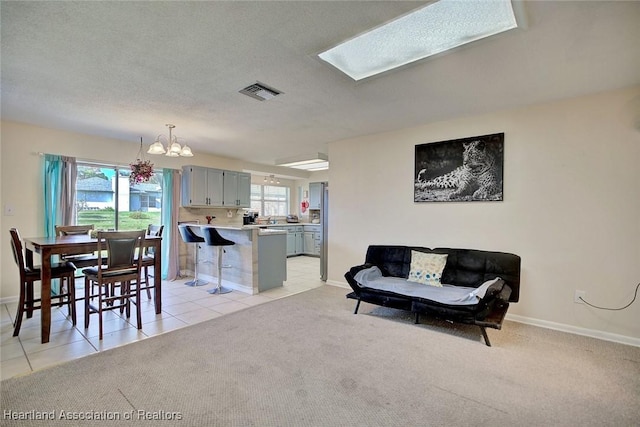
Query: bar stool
[188, 236]
[213, 238]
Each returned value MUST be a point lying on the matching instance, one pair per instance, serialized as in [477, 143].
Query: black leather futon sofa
[496, 274]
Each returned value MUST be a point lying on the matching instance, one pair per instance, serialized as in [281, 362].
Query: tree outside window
[106, 198]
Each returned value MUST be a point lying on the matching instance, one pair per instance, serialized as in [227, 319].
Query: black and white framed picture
[460, 170]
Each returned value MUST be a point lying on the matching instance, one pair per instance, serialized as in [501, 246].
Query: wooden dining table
[47, 247]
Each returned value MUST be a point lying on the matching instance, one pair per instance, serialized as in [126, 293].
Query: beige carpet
[306, 360]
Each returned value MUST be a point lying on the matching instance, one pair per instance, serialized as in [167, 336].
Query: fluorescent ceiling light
[310, 162]
[319, 166]
[430, 30]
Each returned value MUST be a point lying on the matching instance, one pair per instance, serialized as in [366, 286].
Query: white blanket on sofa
[447, 294]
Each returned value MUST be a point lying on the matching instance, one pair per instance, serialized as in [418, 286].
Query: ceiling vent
[260, 91]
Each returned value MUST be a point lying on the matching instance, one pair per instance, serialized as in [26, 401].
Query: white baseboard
[9, 300]
[592, 333]
[338, 284]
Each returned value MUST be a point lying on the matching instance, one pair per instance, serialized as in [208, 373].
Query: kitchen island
[257, 262]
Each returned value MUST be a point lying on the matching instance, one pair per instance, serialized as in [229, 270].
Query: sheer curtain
[60, 173]
[170, 206]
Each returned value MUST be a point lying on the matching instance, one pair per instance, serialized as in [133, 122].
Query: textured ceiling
[124, 69]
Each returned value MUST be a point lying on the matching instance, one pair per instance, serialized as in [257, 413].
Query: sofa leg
[417, 318]
[357, 307]
[486, 337]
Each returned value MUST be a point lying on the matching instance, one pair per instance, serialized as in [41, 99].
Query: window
[270, 200]
[106, 199]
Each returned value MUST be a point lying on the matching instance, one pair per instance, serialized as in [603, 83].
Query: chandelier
[174, 149]
[272, 179]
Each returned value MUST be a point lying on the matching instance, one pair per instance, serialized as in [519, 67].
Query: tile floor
[181, 306]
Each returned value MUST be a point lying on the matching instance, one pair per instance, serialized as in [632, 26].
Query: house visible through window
[106, 199]
[270, 200]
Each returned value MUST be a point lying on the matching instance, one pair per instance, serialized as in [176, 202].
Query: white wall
[571, 205]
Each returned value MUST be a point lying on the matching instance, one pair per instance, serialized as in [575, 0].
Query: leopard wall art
[478, 178]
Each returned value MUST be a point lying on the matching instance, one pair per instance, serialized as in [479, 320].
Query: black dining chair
[122, 271]
[64, 271]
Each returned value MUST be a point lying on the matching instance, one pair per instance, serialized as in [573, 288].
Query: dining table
[48, 247]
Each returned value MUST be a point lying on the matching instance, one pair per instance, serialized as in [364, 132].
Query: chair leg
[71, 289]
[20, 312]
[486, 337]
[146, 281]
[106, 287]
[125, 289]
[29, 299]
[88, 287]
[220, 289]
[110, 291]
[195, 281]
[138, 307]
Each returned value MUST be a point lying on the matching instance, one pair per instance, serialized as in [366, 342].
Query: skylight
[430, 30]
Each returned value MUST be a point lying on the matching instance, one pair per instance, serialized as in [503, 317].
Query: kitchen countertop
[263, 230]
[253, 226]
[284, 224]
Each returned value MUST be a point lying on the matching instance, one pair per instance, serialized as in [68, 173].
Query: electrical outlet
[229, 214]
[578, 295]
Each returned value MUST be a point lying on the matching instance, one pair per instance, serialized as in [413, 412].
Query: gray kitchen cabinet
[201, 187]
[315, 190]
[295, 239]
[237, 189]
[208, 187]
[309, 242]
[299, 242]
[244, 189]
[312, 239]
[291, 244]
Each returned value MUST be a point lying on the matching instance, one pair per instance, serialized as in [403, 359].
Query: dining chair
[79, 260]
[148, 260]
[30, 274]
[122, 269]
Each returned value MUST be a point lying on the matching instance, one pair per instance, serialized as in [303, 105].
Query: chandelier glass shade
[174, 149]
